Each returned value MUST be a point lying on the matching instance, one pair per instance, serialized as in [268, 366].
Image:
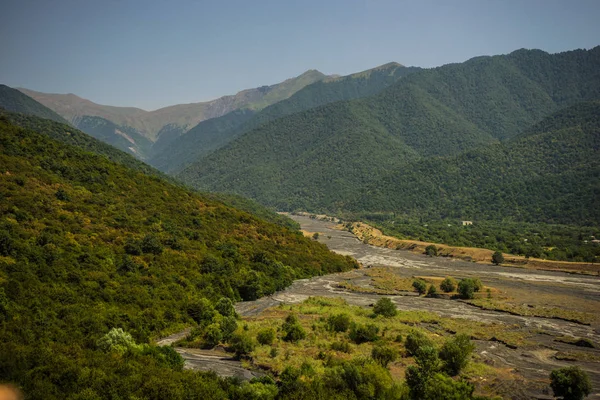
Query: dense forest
[402, 150]
[210, 135]
[15, 101]
[88, 246]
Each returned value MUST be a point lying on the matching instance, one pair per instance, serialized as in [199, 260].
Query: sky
[154, 53]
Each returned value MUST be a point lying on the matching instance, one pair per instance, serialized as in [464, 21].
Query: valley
[521, 349]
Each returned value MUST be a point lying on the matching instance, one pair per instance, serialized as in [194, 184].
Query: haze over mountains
[135, 130]
[354, 143]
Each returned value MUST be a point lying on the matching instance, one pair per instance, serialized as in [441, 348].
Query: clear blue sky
[151, 54]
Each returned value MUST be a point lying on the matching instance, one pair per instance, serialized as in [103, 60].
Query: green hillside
[87, 245]
[71, 136]
[122, 137]
[176, 119]
[321, 158]
[213, 134]
[549, 173]
[14, 101]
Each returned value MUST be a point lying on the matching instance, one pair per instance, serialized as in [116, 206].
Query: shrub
[266, 336]
[497, 258]
[415, 340]
[201, 311]
[399, 338]
[383, 355]
[455, 353]
[418, 377]
[448, 285]
[339, 322]
[133, 247]
[466, 288]
[571, 383]
[431, 250]
[432, 291]
[212, 335]
[385, 307]
[477, 285]
[228, 326]
[116, 340]
[344, 347]
[242, 344]
[292, 329]
[363, 333]
[420, 286]
[150, 244]
[225, 307]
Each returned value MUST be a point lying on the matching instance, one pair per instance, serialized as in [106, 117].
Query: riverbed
[533, 362]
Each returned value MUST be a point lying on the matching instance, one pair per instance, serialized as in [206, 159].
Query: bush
[432, 291]
[225, 307]
[477, 285]
[212, 335]
[339, 322]
[201, 311]
[497, 258]
[570, 383]
[419, 376]
[383, 355]
[266, 336]
[292, 329]
[455, 353]
[420, 286]
[228, 326]
[431, 250]
[415, 340]
[448, 285]
[116, 340]
[242, 344]
[385, 307]
[150, 244]
[363, 333]
[344, 347]
[466, 288]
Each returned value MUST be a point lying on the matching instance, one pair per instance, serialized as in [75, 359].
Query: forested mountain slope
[320, 158]
[14, 101]
[550, 173]
[179, 118]
[87, 245]
[210, 135]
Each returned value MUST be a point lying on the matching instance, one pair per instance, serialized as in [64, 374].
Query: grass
[316, 349]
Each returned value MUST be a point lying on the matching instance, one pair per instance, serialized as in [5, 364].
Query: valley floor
[523, 327]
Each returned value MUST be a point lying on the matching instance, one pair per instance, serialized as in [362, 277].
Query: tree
[448, 285]
[265, 336]
[385, 307]
[212, 335]
[363, 333]
[497, 258]
[420, 286]
[383, 354]
[466, 288]
[241, 344]
[570, 383]
[292, 329]
[415, 340]
[225, 307]
[431, 250]
[432, 291]
[116, 340]
[339, 322]
[455, 353]
[418, 376]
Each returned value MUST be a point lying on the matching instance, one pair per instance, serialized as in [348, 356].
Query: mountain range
[399, 139]
[322, 158]
[135, 130]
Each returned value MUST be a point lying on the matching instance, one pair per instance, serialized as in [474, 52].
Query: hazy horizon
[151, 55]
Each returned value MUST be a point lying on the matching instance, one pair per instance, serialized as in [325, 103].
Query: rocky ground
[530, 361]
